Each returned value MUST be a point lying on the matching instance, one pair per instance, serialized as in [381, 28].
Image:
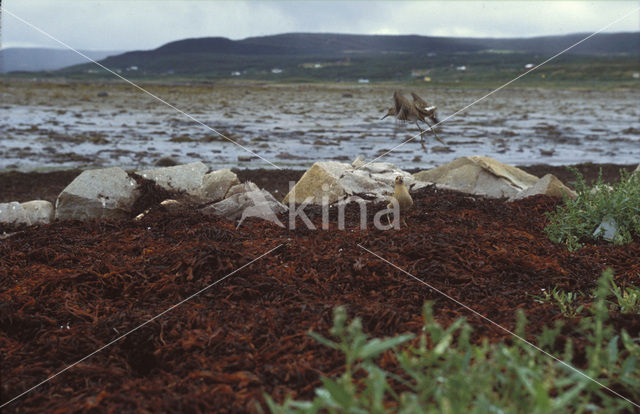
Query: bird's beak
[384, 117]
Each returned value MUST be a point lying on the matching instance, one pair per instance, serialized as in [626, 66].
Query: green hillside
[605, 58]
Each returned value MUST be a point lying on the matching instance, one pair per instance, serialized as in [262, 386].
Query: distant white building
[235, 73]
[461, 68]
[363, 80]
[636, 75]
[132, 68]
[529, 66]
[276, 70]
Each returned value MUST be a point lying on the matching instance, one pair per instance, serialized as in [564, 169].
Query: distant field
[456, 70]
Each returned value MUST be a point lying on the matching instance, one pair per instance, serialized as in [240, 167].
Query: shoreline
[47, 77]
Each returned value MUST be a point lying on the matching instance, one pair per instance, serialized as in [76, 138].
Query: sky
[118, 25]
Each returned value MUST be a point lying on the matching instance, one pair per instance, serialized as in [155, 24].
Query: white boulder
[216, 184]
[103, 193]
[186, 177]
[548, 185]
[29, 213]
[331, 181]
[479, 175]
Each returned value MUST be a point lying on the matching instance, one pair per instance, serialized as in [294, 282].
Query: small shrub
[567, 301]
[577, 221]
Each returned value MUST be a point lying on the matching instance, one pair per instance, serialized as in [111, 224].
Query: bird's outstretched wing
[418, 101]
[402, 106]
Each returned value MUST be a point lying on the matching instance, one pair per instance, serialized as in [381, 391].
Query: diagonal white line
[136, 85]
[139, 326]
[504, 86]
[501, 327]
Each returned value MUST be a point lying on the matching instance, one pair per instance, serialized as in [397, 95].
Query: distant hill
[39, 59]
[348, 57]
[318, 44]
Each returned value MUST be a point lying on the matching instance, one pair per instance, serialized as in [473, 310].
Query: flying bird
[418, 110]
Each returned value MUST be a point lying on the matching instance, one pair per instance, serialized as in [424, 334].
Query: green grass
[627, 299]
[579, 221]
[572, 304]
[443, 371]
[566, 301]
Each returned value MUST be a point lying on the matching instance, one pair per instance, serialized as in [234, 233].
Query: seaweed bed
[68, 288]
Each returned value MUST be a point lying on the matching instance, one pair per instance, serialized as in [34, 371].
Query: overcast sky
[141, 24]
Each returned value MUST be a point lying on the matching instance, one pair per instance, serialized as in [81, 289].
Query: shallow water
[66, 125]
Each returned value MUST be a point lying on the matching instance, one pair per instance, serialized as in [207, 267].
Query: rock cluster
[486, 176]
[331, 181]
[111, 192]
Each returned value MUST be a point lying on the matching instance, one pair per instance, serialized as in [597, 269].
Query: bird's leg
[388, 219]
[395, 129]
[422, 137]
[434, 132]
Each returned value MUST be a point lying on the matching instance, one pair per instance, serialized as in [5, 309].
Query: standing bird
[401, 194]
[415, 111]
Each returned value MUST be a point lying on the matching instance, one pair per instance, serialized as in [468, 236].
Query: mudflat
[72, 124]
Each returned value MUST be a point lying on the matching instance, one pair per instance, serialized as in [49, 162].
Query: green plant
[342, 395]
[628, 299]
[443, 371]
[596, 211]
[567, 301]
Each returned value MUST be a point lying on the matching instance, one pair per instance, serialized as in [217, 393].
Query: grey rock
[608, 229]
[29, 213]
[38, 211]
[548, 185]
[247, 200]
[479, 175]
[103, 193]
[186, 177]
[216, 184]
[12, 213]
[242, 188]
